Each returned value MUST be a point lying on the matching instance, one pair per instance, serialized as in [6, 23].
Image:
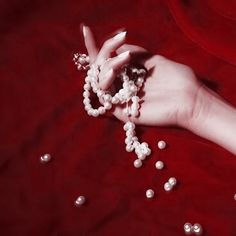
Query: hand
[170, 89]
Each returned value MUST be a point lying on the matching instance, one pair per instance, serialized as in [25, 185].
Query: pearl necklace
[126, 95]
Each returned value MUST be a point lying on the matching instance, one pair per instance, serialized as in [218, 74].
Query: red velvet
[42, 112]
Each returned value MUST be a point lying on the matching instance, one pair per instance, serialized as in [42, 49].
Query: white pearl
[101, 110]
[172, 181]
[87, 86]
[129, 148]
[138, 163]
[107, 97]
[141, 156]
[235, 196]
[45, 158]
[90, 112]
[95, 113]
[136, 144]
[100, 93]
[159, 165]
[149, 193]
[130, 133]
[86, 93]
[86, 101]
[128, 140]
[107, 105]
[115, 100]
[161, 144]
[133, 88]
[197, 229]
[126, 111]
[188, 228]
[87, 107]
[167, 186]
[80, 201]
[129, 125]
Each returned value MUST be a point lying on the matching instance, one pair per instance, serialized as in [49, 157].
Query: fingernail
[85, 30]
[123, 54]
[120, 35]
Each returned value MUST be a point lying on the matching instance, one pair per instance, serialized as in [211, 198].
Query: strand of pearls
[132, 80]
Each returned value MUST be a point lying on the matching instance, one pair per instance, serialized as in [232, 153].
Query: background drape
[42, 112]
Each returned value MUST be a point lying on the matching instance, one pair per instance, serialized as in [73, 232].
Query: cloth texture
[42, 112]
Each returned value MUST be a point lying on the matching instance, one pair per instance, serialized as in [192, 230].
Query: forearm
[214, 119]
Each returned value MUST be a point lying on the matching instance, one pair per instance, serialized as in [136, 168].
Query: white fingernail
[123, 54]
[120, 35]
[84, 30]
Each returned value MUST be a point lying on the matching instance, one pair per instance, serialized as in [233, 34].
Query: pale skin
[172, 95]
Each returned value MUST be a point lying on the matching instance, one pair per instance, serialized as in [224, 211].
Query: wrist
[214, 119]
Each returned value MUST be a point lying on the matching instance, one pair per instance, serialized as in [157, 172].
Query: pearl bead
[197, 229]
[86, 93]
[101, 110]
[95, 113]
[87, 86]
[149, 193]
[115, 100]
[45, 158]
[107, 105]
[188, 228]
[161, 144]
[130, 133]
[100, 93]
[80, 201]
[167, 186]
[159, 165]
[235, 196]
[138, 163]
[141, 156]
[107, 97]
[129, 148]
[172, 181]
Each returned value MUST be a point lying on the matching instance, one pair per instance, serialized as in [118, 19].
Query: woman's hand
[171, 94]
[170, 89]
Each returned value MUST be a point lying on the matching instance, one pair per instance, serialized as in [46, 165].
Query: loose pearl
[197, 229]
[138, 163]
[167, 186]
[161, 144]
[172, 181]
[188, 228]
[45, 158]
[159, 165]
[235, 196]
[149, 193]
[80, 201]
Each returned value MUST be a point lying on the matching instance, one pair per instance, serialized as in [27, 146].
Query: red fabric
[42, 112]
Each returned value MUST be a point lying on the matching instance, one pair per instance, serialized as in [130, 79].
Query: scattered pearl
[80, 201]
[138, 163]
[197, 229]
[235, 196]
[159, 165]
[172, 181]
[161, 144]
[149, 193]
[167, 186]
[188, 228]
[45, 158]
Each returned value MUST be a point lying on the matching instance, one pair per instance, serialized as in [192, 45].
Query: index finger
[90, 44]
